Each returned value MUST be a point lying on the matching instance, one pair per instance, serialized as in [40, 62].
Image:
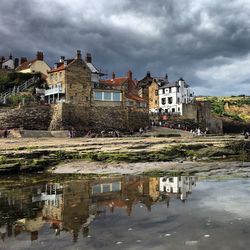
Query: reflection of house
[33, 66]
[182, 185]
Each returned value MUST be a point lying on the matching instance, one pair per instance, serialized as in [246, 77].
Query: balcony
[54, 91]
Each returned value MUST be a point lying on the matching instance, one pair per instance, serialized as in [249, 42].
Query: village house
[71, 80]
[33, 66]
[164, 96]
[123, 90]
[148, 90]
[172, 95]
[7, 63]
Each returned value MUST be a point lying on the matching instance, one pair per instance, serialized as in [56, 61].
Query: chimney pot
[78, 54]
[129, 75]
[62, 59]
[23, 60]
[39, 55]
[148, 74]
[113, 75]
[16, 63]
[88, 58]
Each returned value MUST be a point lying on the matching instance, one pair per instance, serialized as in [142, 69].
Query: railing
[54, 91]
[17, 89]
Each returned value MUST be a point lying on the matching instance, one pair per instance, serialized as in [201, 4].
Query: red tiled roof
[135, 97]
[61, 66]
[26, 65]
[115, 82]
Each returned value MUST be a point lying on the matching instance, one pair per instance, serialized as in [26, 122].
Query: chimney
[88, 58]
[62, 59]
[39, 56]
[55, 66]
[148, 74]
[181, 81]
[166, 76]
[10, 57]
[129, 75]
[78, 55]
[16, 63]
[113, 75]
[23, 60]
[65, 63]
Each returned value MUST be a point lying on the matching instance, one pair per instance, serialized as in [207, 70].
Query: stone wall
[36, 117]
[97, 118]
[201, 113]
[64, 116]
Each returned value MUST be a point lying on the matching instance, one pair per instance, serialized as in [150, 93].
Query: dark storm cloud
[206, 42]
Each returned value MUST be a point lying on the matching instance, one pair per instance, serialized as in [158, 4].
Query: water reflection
[72, 206]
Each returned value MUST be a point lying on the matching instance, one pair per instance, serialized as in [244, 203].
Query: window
[178, 100]
[116, 186]
[163, 101]
[96, 189]
[156, 92]
[179, 109]
[107, 96]
[178, 89]
[173, 110]
[156, 101]
[163, 91]
[98, 95]
[170, 90]
[171, 179]
[106, 187]
[170, 100]
[116, 97]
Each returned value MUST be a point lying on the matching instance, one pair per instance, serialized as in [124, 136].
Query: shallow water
[128, 212]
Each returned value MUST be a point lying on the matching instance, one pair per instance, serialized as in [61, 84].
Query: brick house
[126, 91]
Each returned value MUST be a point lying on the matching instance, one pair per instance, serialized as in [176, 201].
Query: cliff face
[242, 111]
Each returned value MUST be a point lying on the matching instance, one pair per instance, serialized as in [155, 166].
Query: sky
[207, 42]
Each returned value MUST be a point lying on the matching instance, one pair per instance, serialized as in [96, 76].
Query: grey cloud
[178, 37]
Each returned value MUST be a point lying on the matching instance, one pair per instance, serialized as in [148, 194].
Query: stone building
[149, 91]
[70, 81]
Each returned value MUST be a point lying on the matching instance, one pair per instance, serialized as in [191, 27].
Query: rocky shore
[184, 154]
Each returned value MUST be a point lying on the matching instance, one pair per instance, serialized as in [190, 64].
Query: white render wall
[9, 64]
[178, 98]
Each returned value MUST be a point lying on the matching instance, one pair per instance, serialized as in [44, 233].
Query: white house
[173, 94]
[181, 185]
[8, 63]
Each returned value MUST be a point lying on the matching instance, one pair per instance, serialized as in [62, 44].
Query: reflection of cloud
[229, 198]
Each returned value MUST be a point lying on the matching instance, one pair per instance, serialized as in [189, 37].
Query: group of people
[198, 132]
